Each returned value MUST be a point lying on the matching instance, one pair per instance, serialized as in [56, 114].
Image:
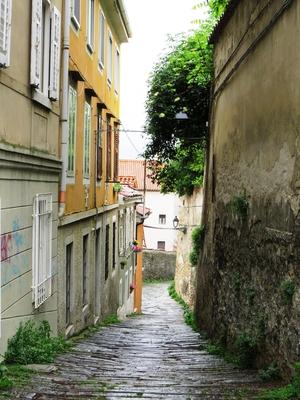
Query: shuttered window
[54, 54]
[5, 32]
[72, 130]
[45, 48]
[106, 261]
[99, 146]
[108, 154]
[116, 154]
[87, 136]
[41, 248]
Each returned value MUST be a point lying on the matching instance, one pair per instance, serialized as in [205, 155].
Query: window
[101, 40]
[109, 58]
[162, 219]
[117, 71]
[41, 248]
[114, 245]
[72, 130]
[85, 242]
[99, 145]
[116, 153]
[45, 48]
[75, 13]
[121, 236]
[5, 32]
[108, 153]
[97, 272]
[161, 245]
[69, 262]
[106, 266]
[90, 25]
[87, 135]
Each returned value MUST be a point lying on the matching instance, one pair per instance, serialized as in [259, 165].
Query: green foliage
[197, 241]
[246, 348]
[291, 391]
[270, 373]
[5, 382]
[189, 316]
[287, 290]
[117, 187]
[240, 205]
[33, 344]
[109, 320]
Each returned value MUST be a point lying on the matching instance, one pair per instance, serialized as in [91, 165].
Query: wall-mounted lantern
[177, 226]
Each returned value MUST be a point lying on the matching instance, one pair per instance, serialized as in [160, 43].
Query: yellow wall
[86, 64]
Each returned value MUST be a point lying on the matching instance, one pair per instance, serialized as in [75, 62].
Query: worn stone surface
[158, 264]
[152, 356]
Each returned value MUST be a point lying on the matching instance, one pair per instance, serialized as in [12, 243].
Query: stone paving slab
[152, 356]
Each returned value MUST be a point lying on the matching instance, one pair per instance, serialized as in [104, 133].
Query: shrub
[5, 382]
[33, 344]
[288, 289]
[246, 347]
[269, 373]
[197, 241]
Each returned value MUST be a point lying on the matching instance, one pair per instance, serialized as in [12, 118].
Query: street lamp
[177, 227]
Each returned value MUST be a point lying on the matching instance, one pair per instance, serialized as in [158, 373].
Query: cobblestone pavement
[152, 356]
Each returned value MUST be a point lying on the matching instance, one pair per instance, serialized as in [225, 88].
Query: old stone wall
[249, 279]
[159, 264]
[190, 212]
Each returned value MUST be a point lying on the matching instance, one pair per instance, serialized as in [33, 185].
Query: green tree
[180, 82]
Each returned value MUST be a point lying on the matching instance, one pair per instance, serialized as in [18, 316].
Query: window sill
[41, 99]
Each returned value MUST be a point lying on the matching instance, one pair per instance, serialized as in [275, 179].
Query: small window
[106, 265]
[109, 58]
[162, 219]
[87, 138]
[85, 269]
[90, 25]
[161, 245]
[72, 130]
[114, 245]
[101, 40]
[75, 13]
[41, 248]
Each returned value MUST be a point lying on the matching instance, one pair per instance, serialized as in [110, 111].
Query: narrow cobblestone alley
[152, 356]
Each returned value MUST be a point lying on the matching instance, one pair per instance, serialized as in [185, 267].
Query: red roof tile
[135, 169]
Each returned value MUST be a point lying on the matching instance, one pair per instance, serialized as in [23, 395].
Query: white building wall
[165, 204]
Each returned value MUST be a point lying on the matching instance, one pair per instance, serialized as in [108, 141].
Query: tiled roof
[140, 210]
[127, 191]
[135, 169]
[128, 180]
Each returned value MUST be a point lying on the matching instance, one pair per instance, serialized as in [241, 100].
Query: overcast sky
[151, 21]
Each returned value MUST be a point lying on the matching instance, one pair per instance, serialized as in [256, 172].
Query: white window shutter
[36, 42]
[5, 32]
[55, 54]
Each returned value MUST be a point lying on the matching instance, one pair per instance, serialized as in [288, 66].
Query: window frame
[74, 19]
[71, 172]
[162, 219]
[90, 34]
[42, 250]
[160, 247]
[110, 59]
[5, 49]
[99, 145]
[117, 72]
[87, 143]
[101, 49]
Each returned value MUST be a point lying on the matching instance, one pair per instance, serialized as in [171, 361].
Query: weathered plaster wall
[254, 152]
[159, 264]
[21, 178]
[190, 213]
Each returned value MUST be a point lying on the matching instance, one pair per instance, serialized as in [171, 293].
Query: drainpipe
[64, 107]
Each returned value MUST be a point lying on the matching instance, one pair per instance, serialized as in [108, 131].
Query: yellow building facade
[88, 230]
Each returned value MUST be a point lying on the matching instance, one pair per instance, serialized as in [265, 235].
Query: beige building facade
[29, 161]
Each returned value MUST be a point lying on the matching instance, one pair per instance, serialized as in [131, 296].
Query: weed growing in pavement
[189, 316]
[270, 373]
[15, 376]
[32, 343]
[288, 289]
[155, 281]
[291, 391]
